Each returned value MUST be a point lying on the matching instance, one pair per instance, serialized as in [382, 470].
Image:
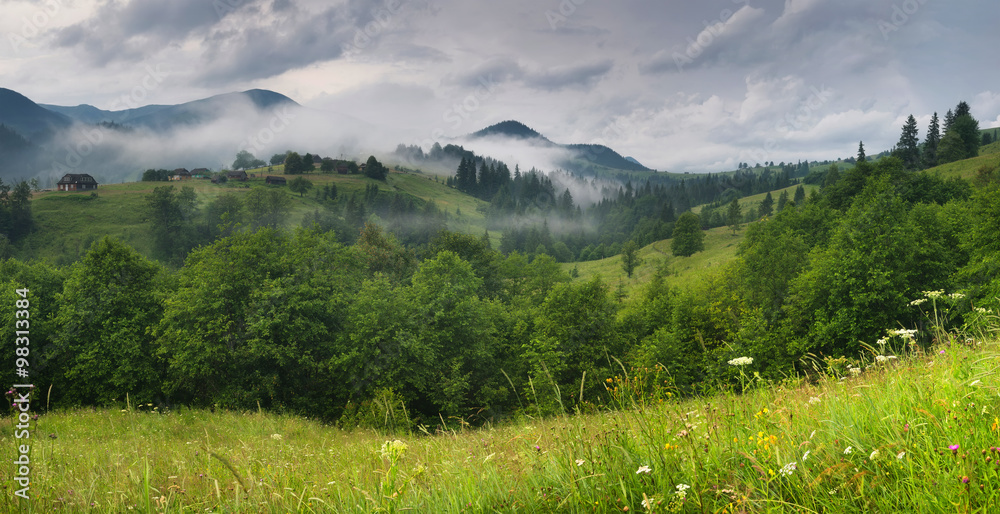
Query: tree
[108, 304]
[293, 163]
[224, 214]
[800, 195]
[735, 215]
[279, 158]
[782, 201]
[327, 165]
[932, 142]
[630, 257]
[861, 152]
[688, 237]
[907, 148]
[267, 207]
[300, 185]
[246, 160]
[766, 206]
[375, 169]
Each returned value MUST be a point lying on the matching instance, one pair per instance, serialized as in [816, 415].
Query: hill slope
[31, 120]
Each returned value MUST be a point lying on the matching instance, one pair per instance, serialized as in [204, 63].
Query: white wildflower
[880, 358]
[813, 400]
[918, 301]
[682, 490]
[788, 469]
[741, 361]
[900, 455]
[276, 437]
[855, 371]
[956, 296]
[643, 469]
[881, 342]
[806, 455]
[874, 455]
[981, 310]
[934, 294]
[579, 462]
[848, 450]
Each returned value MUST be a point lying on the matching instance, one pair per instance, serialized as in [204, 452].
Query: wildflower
[941, 352]
[393, 450]
[682, 490]
[900, 455]
[854, 371]
[996, 424]
[874, 455]
[953, 448]
[813, 400]
[276, 437]
[643, 469]
[934, 294]
[881, 342]
[918, 301]
[981, 310]
[880, 358]
[806, 455]
[902, 332]
[579, 462]
[956, 296]
[788, 469]
[848, 450]
[965, 480]
[741, 361]
[647, 503]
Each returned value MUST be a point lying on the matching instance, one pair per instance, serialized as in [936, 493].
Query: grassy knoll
[989, 155]
[913, 434]
[67, 223]
[720, 248]
[753, 202]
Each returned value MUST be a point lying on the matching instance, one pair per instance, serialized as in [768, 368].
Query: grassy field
[720, 248]
[989, 155]
[917, 433]
[753, 201]
[67, 223]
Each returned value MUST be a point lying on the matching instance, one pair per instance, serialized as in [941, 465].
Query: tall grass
[916, 433]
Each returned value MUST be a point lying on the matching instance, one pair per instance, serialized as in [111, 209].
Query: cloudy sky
[679, 85]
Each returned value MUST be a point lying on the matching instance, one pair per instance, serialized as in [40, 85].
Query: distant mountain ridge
[165, 117]
[30, 120]
[599, 155]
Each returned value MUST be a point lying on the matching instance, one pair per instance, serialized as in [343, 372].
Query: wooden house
[277, 181]
[77, 182]
[201, 173]
[237, 175]
[180, 174]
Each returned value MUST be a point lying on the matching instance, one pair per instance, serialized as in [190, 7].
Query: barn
[77, 182]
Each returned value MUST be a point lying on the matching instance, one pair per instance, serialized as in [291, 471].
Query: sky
[679, 85]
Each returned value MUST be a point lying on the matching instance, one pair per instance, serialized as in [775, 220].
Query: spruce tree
[782, 201]
[734, 215]
[932, 142]
[907, 148]
[800, 195]
[949, 118]
[766, 206]
[861, 152]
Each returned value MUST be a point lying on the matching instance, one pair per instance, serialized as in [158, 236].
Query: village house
[180, 174]
[77, 182]
[201, 173]
[237, 175]
[277, 181]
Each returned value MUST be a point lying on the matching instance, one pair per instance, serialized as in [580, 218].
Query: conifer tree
[861, 152]
[907, 149]
[800, 195]
[766, 206]
[932, 142]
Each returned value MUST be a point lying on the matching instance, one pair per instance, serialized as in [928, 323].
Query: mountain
[512, 129]
[598, 155]
[30, 120]
[166, 117]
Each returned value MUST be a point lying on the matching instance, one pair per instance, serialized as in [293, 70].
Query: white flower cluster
[918, 301]
[788, 469]
[682, 490]
[393, 450]
[854, 371]
[741, 361]
[882, 359]
[934, 295]
[903, 332]
[848, 450]
[874, 455]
